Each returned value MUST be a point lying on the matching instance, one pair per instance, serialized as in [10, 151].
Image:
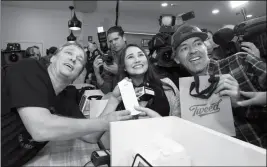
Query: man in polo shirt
[237, 72]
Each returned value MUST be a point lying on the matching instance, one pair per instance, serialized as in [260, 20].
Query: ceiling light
[215, 11]
[164, 4]
[174, 4]
[74, 23]
[71, 38]
[250, 15]
[235, 4]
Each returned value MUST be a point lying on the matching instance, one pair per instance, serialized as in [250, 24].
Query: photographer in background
[214, 51]
[225, 38]
[168, 69]
[248, 47]
[33, 52]
[106, 81]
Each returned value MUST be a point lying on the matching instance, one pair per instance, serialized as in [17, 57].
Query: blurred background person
[33, 52]
[214, 51]
[106, 80]
[49, 53]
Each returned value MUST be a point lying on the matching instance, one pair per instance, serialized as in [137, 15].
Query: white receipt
[128, 96]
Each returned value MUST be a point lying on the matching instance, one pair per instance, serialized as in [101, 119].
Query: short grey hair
[72, 44]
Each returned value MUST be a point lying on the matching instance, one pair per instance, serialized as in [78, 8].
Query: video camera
[161, 42]
[253, 30]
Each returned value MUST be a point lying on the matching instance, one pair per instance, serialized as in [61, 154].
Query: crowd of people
[30, 116]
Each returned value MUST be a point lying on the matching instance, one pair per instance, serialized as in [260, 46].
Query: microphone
[223, 36]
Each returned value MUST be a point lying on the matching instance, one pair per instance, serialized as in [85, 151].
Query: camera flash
[100, 29]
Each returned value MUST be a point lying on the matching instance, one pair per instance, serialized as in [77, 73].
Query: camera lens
[167, 55]
[13, 57]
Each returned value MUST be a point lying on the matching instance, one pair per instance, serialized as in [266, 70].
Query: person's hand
[97, 63]
[250, 48]
[91, 47]
[229, 86]
[254, 98]
[146, 112]
[117, 116]
[111, 68]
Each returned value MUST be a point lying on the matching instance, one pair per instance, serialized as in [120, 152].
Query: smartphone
[188, 16]
[140, 161]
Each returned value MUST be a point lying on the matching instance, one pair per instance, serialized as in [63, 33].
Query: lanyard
[206, 93]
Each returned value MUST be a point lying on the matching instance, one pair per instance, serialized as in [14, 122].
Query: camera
[169, 22]
[102, 38]
[108, 57]
[12, 54]
[106, 54]
[161, 42]
[253, 30]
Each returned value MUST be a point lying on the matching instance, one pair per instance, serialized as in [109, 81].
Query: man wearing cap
[239, 72]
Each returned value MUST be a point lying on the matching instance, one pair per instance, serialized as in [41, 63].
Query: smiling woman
[135, 65]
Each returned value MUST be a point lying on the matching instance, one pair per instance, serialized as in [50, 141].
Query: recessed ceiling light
[174, 4]
[250, 15]
[215, 11]
[235, 4]
[164, 4]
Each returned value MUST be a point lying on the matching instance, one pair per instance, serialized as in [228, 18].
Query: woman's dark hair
[52, 50]
[150, 76]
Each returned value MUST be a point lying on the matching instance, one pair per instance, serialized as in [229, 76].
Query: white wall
[35, 26]
[130, 22]
[49, 27]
